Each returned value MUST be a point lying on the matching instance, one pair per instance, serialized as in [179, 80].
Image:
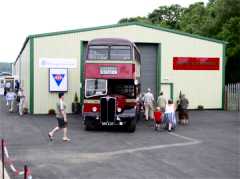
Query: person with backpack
[182, 110]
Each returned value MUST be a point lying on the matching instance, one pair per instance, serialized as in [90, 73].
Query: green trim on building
[171, 89]
[20, 69]
[114, 26]
[81, 71]
[223, 74]
[159, 61]
[31, 98]
[128, 24]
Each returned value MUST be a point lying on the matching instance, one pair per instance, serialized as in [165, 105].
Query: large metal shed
[160, 49]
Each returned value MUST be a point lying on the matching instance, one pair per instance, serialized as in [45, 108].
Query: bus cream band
[58, 63]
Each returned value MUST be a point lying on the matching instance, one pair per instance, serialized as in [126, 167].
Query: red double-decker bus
[112, 83]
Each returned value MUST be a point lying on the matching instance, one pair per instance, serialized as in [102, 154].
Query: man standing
[148, 100]
[161, 102]
[61, 118]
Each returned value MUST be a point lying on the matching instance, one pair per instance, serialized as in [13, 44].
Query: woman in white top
[170, 118]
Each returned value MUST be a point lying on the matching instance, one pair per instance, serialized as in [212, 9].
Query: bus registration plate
[107, 123]
[107, 70]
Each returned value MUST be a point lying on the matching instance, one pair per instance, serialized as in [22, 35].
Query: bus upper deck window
[97, 52]
[122, 52]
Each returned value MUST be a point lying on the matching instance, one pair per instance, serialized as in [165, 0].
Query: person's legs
[151, 111]
[65, 137]
[146, 111]
[7, 102]
[53, 131]
[20, 107]
[181, 117]
[169, 126]
[187, 117]
[11, 106]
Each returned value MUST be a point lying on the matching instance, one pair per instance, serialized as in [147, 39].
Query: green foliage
[193, 18]
[134, 19]
[76, 98]
[51, 112]
[167, 16]
[231, 33]
[218, 19]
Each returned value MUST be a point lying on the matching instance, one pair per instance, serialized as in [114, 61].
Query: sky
[20, 18]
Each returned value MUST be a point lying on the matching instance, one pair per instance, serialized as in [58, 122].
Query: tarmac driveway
[207, 148]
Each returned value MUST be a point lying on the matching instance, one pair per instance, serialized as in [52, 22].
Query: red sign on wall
[195, 63]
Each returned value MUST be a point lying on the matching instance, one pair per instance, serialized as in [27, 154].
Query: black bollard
[2, 145]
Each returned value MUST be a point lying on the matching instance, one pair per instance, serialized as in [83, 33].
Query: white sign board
[10, 96]
[58, 80]
[58, 63]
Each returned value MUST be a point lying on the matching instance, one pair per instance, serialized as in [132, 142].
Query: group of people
[14, 94]
[163, 112]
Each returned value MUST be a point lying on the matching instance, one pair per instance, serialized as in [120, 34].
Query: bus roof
[110, 41]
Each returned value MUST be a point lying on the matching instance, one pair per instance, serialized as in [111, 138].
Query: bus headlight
[94, 109]
[119, 109]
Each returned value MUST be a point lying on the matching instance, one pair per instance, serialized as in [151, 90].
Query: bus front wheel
[131, 126]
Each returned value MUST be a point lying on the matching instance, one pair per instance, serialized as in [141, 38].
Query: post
[25, 172]
[3, 174]
[238, 94]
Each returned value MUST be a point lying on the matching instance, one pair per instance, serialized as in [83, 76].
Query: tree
[134, 19]
[167, 16]
[193, 19]
[218, 19]
[231, 33]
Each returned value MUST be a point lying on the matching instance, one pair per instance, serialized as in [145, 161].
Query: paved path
[207, 148]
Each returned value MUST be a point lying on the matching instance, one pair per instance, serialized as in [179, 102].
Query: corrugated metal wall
[201, 87]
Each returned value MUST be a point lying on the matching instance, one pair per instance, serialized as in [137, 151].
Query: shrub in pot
[76, 108]
[200, 107]
[51, 112]
[25, 110]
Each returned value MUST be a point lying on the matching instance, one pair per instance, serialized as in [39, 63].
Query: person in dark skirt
[61, 118]
[182, 110]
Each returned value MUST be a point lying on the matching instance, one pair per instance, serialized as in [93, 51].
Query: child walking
[169, 116]
[157, 118]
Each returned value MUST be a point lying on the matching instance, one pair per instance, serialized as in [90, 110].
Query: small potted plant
[76, 108]
[25, 110]
[200, 107]
[51, 112]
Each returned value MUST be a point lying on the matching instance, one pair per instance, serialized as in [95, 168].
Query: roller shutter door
[148, 66]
